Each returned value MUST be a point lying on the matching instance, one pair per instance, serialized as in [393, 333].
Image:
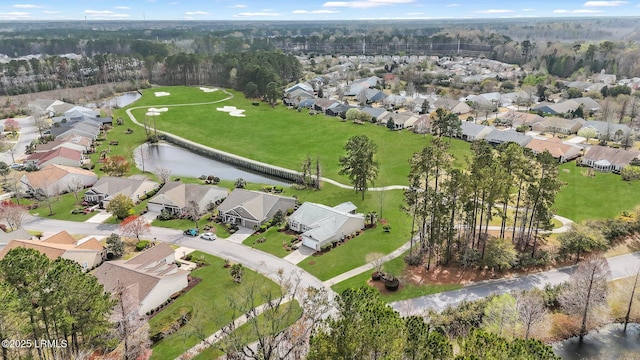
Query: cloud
[366, 4]
[191, 13]
[123, 8]
[13, 15]
[239, 6]
[579, 11]
[604, 3]
[255, 14]
[105, 14]
[27, 6]
[315, 11]
[495, 11]
[414, 13]
[454, 5]
[528, 9]
[52, 12]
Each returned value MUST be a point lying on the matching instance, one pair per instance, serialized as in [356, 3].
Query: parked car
[208, 236]
[16, 166]
[191, 232]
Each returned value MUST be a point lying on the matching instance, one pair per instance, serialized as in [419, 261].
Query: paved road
[621, 266]
[28, 133]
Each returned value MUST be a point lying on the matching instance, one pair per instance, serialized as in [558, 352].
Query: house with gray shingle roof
[606, 130]
[555, 124]
[108, 187]
[472, 132]
[150, 277]
[320, 225]
[497, 137]
[252, 208]
[174, 197]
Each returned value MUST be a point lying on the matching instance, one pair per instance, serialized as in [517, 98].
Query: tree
[134, 226]
[74, 186]
[580, 240]
[163, 174]
[423, 343]
[236, 272]
[131, 329]
[120, 206]
[352, 114]
[4, 170]
[586, 292]
[276, 338]
[359, 164]
[366, 329]
[531, 309]
[278, 218]
[116, 165]
[192, 212]
[362, 98]
[633, 292]
[588, 133]
[501, 316]
[12, 214]
[424, 108]
[115, 245]
[11, 125]
[391, 125]
[240, 183]
[491, 346]
[499, 253]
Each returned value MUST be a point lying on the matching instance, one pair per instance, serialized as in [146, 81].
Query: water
[607, 343]
[122, 100]
[182, 162]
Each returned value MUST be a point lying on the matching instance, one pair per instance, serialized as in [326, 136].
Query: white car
[208, 236]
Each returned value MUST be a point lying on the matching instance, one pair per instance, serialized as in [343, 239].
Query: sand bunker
[208, 90]
[233, 111]
[162, 93]
[164, 109]
[152, 113]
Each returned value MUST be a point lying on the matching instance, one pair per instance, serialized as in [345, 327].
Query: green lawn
[406, 291]
[61, 206]
[281, 136]
[604, 195]
[273, 244]
[209, 301]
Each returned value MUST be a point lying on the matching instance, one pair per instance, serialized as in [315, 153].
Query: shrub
[326, 247]
[263, 227]
[630, 173]
[142, 244]
[414, 258]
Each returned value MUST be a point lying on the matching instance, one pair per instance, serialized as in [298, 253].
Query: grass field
[406, 291]
[281, 136]
[601, 196]
[209, 301]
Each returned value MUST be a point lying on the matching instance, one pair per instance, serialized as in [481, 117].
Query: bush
[326, 247]
[414, 258]
[630, 173]
[263, 227]
[142, 244]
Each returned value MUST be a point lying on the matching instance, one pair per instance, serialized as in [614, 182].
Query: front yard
[207, 303]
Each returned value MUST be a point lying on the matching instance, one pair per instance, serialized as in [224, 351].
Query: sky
[307, 9]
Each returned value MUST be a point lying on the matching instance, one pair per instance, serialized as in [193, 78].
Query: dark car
[191, 232]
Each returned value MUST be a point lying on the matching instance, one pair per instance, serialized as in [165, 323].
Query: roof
[555, 147]
[143, 271]
[518, 118]
[472, 130]
[51, 251]
[251, 204]
[324, 221]
[374, 112]
[62, 237]
[588, 103]
[179, 194]
[52, 173]
[503, 136]
[617, 157]
[561, 123]
[112, 186]
[55, 246]
[603, 126]
[52, 154]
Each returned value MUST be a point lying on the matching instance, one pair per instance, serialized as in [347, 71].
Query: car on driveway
[208, 236]
[16, 166]
[191, 232]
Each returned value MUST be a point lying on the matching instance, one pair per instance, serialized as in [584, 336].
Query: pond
[182, 162]
[607, 343]
[121, 100]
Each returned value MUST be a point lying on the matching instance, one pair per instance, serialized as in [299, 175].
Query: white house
[55, 179]
[151, 277]
[321, 224]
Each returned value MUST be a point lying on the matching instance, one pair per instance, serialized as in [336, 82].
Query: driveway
[28, 133]
[621, 266]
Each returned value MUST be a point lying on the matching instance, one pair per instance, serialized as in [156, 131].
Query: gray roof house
[497, 137]
[554, 124]
[603, 158]
[151, 277]
[472, 132]
[376, 113]
[107, 187]
[517, 118]
[605, 129]
[174, 196]
[374, 95]
[320, 225]
[252, 208]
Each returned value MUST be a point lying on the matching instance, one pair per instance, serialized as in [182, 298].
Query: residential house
[323, 105]
[320, 225]
[588, 104]
[564, 107]
[376, 113]
[422, 124]
[52, 145]
[602, 77]
[516, 119]
[175, 196]
[519, 98]
[606, 130]
[454, 106]
[59, 156]
[374, 95]
[472, 132]
[603, 158]
[49, 107]
[105, 189]
[562, 151]
[252, 208]
[295, 97]
[151, 277]
[6, 237]
[339, 110]
[401, 120]
[87, 128]
[354, 89]
[560, 125]
[300, 86]
[55, 179]
[88, 252]
[497, 137]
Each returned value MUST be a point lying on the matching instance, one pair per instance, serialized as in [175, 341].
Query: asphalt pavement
[28, 133]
